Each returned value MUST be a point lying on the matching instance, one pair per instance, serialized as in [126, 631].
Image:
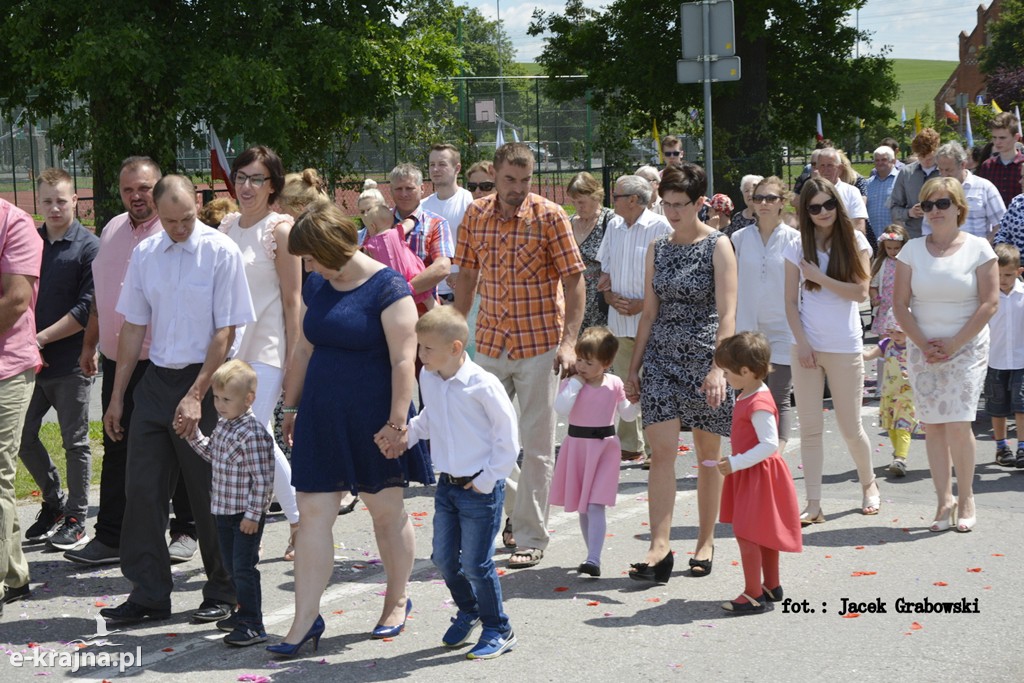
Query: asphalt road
[607, 629]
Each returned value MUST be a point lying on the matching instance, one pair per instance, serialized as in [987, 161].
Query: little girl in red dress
[586, 475]
[758, 496]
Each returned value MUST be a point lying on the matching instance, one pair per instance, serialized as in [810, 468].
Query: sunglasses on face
[940, 204]
[766, 198]
[673, 153]
[486, 186]
[815, 209]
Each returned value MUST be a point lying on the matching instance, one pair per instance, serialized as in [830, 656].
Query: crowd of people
[242, 360]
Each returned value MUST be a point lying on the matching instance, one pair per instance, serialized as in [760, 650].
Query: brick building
[967, 82]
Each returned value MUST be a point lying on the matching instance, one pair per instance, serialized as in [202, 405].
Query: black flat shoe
[211, 610]
[772, 594]
[133, 613]
[752, 606]
[589, 568]
[659, 573]
[346, 509]
[699, 568]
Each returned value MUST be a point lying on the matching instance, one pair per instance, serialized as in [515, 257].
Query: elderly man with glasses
[985, 207]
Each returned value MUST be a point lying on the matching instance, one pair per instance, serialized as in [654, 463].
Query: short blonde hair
[585, 185]
[235, 373]
[955, 191]
[213, 211]
[446, 322]
[301, 189]
[324, 232]
[484, 166]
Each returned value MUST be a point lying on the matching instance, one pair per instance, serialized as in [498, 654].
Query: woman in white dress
[947, 288]
[274, 278]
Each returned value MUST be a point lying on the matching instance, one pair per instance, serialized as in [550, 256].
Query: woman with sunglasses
[826, 278]
[947, 288]
[689, 307]
[760, 303]
[274, 278]
[480, 179]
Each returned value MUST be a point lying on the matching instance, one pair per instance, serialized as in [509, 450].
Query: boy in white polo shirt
[1004, 393]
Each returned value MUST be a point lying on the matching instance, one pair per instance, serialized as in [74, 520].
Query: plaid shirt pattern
[1006, 177]
[241, 453]
[431, 238]
[522, 261]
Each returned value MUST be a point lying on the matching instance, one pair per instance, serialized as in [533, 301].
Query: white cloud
[915, 29]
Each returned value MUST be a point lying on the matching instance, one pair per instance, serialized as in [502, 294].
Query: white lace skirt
[948, 391]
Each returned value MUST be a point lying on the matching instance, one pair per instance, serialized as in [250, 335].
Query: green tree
[1006, 39]
[136, 77]
[796, 62]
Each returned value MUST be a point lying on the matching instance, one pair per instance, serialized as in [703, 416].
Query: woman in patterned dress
[689, 307]
[588, 225]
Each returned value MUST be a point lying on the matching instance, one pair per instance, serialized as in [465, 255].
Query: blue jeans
[465, 525]
[241, 553]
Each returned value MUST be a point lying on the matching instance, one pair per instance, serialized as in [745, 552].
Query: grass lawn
[919, 80]
[25, 487]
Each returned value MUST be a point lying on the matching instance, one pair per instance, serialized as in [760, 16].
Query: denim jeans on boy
[241, 553]
[465, 525]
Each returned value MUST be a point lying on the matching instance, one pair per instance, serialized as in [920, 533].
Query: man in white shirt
[448, 201]
[623, 257]
[829, 164]
[188, 284]
[985, 207]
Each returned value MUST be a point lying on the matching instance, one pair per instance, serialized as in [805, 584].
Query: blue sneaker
[462, 627]
[492, 644]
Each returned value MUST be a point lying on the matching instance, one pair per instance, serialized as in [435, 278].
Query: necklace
[942, 250]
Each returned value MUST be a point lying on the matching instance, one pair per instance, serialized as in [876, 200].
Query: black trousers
[156, 456]
[115, 458]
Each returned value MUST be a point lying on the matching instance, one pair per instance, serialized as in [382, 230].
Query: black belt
[591, 432]
[456, 481]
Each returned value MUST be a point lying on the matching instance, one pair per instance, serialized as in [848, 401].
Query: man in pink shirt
[21, 256]
[118, 238]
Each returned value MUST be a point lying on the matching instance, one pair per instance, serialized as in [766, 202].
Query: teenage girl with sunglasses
[826, 278]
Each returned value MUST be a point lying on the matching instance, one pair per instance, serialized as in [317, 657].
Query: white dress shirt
[1006, 330]
[623, 254]
[761, 293]
[471, 425]
[185, 291]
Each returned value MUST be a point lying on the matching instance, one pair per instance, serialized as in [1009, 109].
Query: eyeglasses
[940, 204]
[256, 181]
[675, 206]
[486, 186]
[674, 153]
[766, 198]
[815, 209]
[622, 196]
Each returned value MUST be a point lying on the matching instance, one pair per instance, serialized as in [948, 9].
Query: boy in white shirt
[1004, 393]
[474, 442]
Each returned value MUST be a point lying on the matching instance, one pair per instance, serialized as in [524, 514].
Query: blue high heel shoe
[392, 631]
[314, 633]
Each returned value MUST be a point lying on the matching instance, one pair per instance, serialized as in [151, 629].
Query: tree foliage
[138, 77]
[1005, 49]
[796, 62]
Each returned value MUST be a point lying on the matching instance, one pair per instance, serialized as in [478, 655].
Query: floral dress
[594, 314]
[884, 281]
[896, 410]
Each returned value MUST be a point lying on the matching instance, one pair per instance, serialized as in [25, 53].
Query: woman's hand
[714, 387]
[632, 387]
[288, 428]
[805, 354]
[811, 271]
[941, 349]
[390, 441]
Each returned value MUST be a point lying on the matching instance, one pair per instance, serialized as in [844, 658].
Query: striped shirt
[623, 255]
[431, 238]
[522, 261]
[241, 452]
[985, 208]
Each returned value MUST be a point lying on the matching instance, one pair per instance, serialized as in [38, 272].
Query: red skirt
[760, 503]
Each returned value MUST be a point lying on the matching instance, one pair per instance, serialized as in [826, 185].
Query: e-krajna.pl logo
[77, 659]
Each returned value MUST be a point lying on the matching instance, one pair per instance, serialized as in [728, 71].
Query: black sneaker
[15, 594]
[1019, 464]
[245, 635]
[45, 524]
[71, 534]
[230, 624]
[1005, 456]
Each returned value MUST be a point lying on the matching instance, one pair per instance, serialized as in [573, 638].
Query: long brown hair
[844, 262]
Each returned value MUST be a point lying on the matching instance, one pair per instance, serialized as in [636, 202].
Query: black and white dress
[681, 347]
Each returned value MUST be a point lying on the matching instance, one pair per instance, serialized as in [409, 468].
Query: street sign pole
[709, 162]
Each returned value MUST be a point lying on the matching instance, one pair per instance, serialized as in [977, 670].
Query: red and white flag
[818, 133]
[219, 163]
[950, 113]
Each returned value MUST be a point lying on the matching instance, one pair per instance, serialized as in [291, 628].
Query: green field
[919, 80]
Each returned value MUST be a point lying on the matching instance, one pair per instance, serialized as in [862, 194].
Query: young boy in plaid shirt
[241, 451]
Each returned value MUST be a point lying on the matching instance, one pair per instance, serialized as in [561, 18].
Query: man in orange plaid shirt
[520, 249]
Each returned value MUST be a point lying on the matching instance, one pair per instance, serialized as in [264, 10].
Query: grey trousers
[68, 395]
[156, 455]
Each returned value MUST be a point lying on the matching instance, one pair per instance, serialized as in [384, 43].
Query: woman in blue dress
[351, 380]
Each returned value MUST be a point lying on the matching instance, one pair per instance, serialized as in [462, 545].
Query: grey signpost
[709, 54]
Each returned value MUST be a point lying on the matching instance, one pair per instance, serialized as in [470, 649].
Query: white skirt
[948, 391]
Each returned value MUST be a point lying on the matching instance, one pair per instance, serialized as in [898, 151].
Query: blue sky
[915, 29]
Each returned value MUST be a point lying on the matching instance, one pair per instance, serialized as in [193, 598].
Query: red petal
[593, 603]
[561, 589]
[940, 583]
[975, 570]
[852, 615]
[916, 626]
